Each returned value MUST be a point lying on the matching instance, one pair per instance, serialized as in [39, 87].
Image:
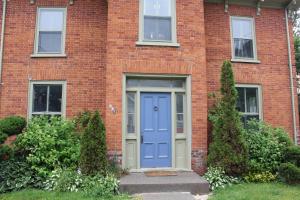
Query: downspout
[291, 76]
[2, 37]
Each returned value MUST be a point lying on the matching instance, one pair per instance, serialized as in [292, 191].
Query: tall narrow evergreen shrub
[228, 148]
[93, 151]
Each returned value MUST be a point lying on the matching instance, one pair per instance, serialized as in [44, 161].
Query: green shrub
[81, 120]
[12, 125]
[289, 173]
[3, 137]
[92, 186]
[49, 144]
[218, 179]
[266, 146]
[228, 148]
[16, 175]
[262, 177]
[292, 155]
[5, 152]
[93, 151]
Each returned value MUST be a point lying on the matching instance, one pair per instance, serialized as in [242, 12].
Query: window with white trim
[50, 34]
[158, 21]
[249, 102]
[47, 98]
[243, 38]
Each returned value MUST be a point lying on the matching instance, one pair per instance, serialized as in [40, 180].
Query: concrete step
[136, 183]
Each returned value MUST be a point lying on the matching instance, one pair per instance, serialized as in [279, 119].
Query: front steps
[137, 183]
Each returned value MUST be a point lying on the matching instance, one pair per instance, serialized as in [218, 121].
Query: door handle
[142, 139]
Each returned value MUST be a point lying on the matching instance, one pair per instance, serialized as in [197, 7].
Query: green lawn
[267, 191]
[43, 195]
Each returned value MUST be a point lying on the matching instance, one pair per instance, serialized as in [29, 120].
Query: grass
[43, 195]
[263, 191]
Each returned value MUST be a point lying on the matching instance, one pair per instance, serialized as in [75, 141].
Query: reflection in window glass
[130, 112]
[155, 83]
[248, 103]
[47, 99]
[180, 113]
[157, 20]
[51, 25]
[242, 31]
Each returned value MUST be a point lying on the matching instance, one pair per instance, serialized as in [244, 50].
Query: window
[158, 21]
[180, 110]
[249, 102]
[50, 35]
[243, 38]
[131, 112]
[47, 98]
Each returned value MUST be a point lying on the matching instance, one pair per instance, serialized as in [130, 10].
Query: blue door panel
[155, 130]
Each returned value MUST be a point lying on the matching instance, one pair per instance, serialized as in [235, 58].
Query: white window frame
[242, 59]
[37, 31]
[172, 42]
[260, 99]
[30, 101]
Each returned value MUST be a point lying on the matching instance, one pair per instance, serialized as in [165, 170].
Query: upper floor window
[243, 38]
[50, 34]
[158, 21]
[249, 102]
[47, 98]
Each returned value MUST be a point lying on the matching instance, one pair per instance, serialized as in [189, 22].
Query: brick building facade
[106, 65]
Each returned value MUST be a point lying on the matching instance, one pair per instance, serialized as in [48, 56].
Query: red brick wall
[124, 56]
[273, 72]
[83, 69]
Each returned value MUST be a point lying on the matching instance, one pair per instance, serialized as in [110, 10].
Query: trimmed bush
[266, 145]
[12, 125]
[289, 173]
[292, 155]
[5, 152]
[49, 144]
[93, 151]
[228, 148]
[3, 137]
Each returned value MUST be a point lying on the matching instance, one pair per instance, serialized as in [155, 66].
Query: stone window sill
[166, 44]
[236, 60]
[48, 56]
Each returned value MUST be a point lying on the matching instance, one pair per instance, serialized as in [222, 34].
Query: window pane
[179, 103]
[242, 28]
[241, 100]
[50, 42]
[243, 48]
[180, 113]
[39, 98]
[131, 112]
[156, 28]
[252, 100]
[51, 20]
[180, 123]
[55, 98]
[157, 7]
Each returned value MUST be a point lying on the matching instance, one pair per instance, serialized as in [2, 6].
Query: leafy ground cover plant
[49, 144]
[217, 178]
[261, 177]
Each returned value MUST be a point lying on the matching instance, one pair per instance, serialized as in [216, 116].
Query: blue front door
[155, 130]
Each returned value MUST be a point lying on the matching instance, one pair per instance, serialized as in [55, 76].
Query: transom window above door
[243, 38]
[50, 31]
[47, 98]
[249, 102]
[158, 21]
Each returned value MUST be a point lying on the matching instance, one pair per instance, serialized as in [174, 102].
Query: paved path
[169, 196]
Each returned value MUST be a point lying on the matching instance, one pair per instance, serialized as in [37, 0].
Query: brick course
[100, 48]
